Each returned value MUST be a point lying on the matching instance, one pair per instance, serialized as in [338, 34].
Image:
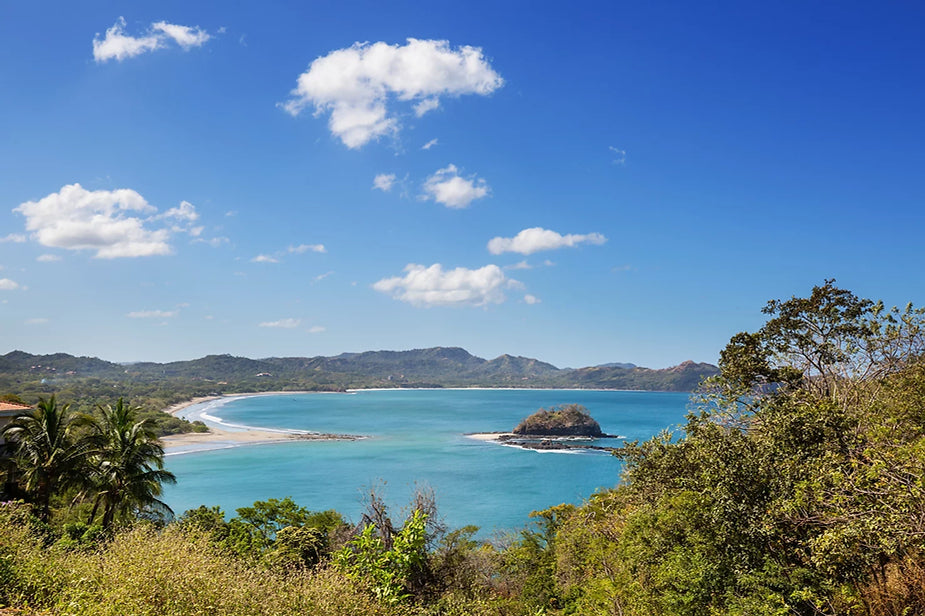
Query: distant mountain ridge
[431, 367]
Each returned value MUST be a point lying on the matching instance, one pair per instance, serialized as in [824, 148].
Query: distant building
[9, 410]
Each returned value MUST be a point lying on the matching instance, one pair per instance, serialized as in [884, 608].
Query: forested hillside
[795, 488]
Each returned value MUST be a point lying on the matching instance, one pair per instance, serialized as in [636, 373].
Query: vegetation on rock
[562, 420]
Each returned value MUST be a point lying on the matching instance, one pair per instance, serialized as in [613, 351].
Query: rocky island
[568, 426]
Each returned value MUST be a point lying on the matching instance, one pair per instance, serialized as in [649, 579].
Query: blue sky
[579, 183]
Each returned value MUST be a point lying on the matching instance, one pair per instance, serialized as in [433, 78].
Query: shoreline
[221, 438]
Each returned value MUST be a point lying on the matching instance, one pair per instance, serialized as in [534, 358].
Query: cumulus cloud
[536, 239]
[359, 84]
[384, 182]
[8, 285]
[47, 258]
[429, 144]
[531, 299]
[282, 323]
[264, 259]
[153, 314]
[117, 45]
[432, 286]
[446, 186]
[303, 248]
[114, 223]
[316, 329]
[16, 238]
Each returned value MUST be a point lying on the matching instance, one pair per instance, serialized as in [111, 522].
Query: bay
[414, 439]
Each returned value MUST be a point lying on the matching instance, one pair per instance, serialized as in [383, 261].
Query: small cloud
[117, 45]
[531, 299]
[47, 258]
[264, 259]
[321, 277]
[8, 285]
[36, 321]
[359, 84]
[536, 239]
[384, 182]
[446, 186]
[623, 268]
[428, 104]
[303, 248]
[549, 263]
[231, 213]
[16, 238]
[113, 223]
[619, 155]
[429, 144]
[214, 242]
[432, 286]
[316, 329]
[153, 314]
[282, 323]
[523, 265]
[208, 317]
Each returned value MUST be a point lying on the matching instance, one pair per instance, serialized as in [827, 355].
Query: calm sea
[416, 438]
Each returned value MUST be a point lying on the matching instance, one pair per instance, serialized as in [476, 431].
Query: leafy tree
[48, 450]
[127, 465]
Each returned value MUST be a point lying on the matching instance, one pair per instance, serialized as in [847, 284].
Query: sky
[577, 182]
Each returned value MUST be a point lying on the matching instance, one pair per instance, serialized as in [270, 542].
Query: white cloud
[531, 299]
[36, 321]
[214, 242]
[429, 144]
[264, 259]
[523, 265]
[282, 323]
[8, 285]
[184, 212]
[316, 329]
[303, 248]
[428, 104]
[117, 45]
[16, 238]
[384, 182]
[446, 186]
[359, 83]
[619, 155]
[536, 239]
[185, 36]
[114, 223]
[321, 277]
[47, 258]
[153, 314]
[432, 286]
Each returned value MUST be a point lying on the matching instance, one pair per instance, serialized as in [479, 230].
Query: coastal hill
[86, 377]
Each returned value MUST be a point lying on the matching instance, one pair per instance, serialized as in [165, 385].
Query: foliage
[389, 571]
[47, 449]
[278, 533]
[565, 419]
[126, 465]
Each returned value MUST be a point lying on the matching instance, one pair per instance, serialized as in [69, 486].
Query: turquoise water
[415, 438]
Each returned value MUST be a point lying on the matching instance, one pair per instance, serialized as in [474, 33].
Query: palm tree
[47, 449]
[128, 464]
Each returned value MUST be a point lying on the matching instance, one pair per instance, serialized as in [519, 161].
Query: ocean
[414, 439]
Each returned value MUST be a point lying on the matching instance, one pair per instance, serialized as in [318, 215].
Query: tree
[47, 450]
[127, 465]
